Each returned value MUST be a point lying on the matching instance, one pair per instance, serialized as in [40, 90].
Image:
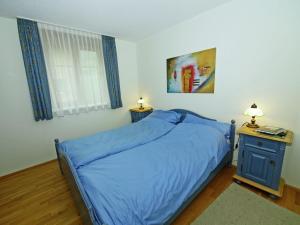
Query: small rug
[238, 206]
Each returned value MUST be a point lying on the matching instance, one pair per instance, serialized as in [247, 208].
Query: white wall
[258, 52]
[24, 142]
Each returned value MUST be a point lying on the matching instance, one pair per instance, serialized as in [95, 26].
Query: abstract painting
[192, 73]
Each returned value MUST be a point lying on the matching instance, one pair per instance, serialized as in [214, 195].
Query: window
[75, 68]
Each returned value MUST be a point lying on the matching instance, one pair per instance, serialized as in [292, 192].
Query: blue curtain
[112, 71]
[35, 69]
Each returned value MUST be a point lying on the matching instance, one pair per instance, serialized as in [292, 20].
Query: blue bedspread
[148, 183]
[87, 149]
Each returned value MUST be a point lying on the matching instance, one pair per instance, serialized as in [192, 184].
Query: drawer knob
[259, 143]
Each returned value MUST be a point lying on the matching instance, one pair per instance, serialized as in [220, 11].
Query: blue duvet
[87, 149]
[148, 183]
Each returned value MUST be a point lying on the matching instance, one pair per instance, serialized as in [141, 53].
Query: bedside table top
[145, 109]
[251, 131]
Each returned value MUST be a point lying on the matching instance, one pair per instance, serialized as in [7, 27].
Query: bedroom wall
[24, 142]
[258, 54]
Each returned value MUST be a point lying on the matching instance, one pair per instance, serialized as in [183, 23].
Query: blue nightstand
[138, 114]
[260, 160]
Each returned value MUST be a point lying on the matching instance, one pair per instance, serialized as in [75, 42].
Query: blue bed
[148, 180]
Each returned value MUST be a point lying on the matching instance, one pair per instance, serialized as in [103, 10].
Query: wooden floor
[40, 196]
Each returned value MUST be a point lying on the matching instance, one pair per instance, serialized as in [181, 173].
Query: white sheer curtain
[75, 68]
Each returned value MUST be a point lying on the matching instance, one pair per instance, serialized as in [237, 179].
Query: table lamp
[141, 101]
[253, 111]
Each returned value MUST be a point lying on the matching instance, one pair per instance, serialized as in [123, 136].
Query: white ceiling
[128, 19]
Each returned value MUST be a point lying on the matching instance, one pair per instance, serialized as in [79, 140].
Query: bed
[145, 180]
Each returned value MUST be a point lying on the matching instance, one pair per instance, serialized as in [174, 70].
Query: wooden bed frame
[84, 208]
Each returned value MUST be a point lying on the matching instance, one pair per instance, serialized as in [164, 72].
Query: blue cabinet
[260, 157]
[138, 114]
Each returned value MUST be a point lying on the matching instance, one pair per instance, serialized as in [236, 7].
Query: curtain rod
[63, 26]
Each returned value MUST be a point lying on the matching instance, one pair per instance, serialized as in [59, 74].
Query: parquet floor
[40, 196]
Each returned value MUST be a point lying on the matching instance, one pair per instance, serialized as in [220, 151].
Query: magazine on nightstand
[271, 130]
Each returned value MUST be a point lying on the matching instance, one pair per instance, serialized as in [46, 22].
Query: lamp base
[251, 125]
[141, 106]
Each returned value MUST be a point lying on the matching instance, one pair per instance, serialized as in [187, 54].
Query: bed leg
[57, 154]
[230, 159]
[229, 164]
[232, 137]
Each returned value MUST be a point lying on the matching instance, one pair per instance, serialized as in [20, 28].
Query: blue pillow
[224, 128]
[169, 116]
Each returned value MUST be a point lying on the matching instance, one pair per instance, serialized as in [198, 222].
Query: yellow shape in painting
[209, 87]
[186, 80]
[206, 59]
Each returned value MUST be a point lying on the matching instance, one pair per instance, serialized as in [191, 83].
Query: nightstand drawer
[263, 144]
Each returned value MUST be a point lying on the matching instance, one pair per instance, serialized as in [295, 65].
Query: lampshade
[254, 111]
[141, 101]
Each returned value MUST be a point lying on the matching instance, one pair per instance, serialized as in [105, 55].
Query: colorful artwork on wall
[192, 73]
